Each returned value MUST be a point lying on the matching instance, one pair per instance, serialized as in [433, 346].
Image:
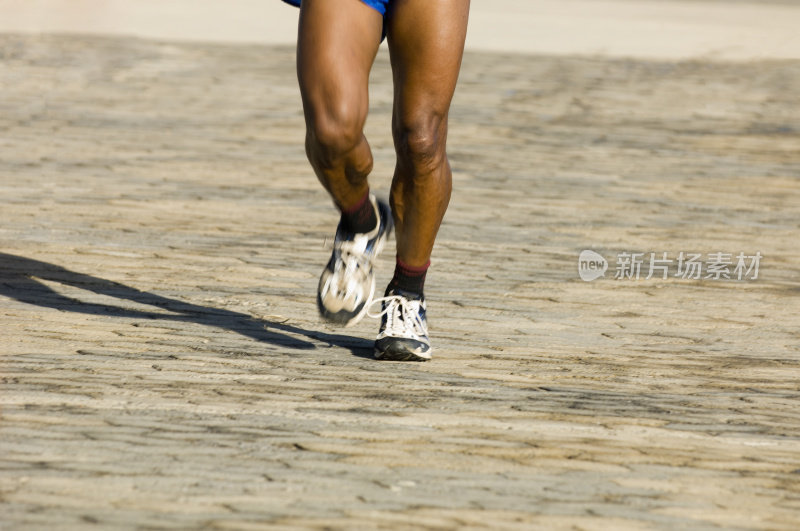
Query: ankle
[409, 278]
[361, 217]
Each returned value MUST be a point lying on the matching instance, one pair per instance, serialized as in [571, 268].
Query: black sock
[361, 218]
[408, 278]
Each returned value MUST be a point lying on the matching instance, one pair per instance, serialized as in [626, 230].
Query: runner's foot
[403, 335]
[347, 283]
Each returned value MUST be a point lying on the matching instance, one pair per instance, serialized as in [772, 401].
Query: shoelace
[402, 316]
[357, 266]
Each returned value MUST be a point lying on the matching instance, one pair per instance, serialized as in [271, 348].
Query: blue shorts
[378, 5]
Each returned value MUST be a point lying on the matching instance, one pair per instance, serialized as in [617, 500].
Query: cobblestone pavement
[163, 365]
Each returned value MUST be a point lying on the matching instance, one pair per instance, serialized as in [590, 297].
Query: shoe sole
[401, 355]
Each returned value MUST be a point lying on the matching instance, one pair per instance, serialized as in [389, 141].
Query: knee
[420, 142]
[334, 131]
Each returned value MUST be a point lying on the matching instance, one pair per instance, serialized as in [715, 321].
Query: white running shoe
[403, 335]
[347, 283]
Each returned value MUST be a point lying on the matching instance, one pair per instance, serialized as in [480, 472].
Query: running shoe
[347, 283]
[403, 335]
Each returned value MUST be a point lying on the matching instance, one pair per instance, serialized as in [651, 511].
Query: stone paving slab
[163, 365]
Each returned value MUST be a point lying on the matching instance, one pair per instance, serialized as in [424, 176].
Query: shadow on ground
[20, 279]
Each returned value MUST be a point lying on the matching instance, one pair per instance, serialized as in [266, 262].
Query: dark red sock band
[358, 206]
[361, 217]
[409, 278]
[412, 270]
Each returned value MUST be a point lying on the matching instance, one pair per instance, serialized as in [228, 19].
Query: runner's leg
[426, 43]
[337, 43]
[336, 46]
